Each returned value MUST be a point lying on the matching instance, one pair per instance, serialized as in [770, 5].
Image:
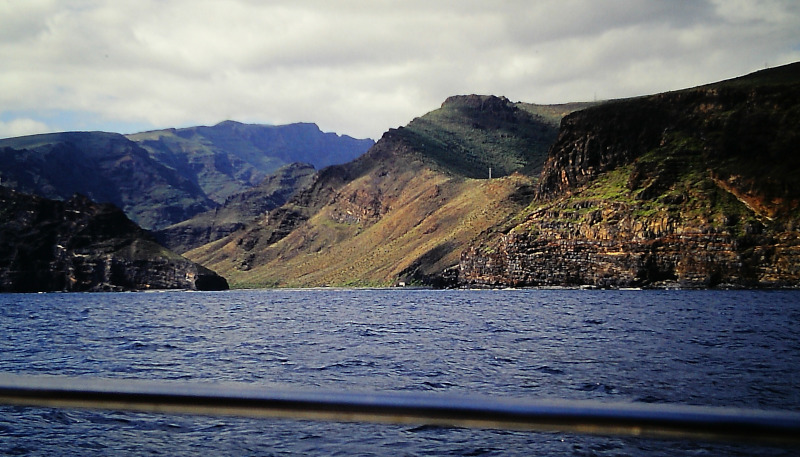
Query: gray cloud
[360, 67]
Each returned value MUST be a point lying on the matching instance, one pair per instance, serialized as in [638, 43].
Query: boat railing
[650, 420]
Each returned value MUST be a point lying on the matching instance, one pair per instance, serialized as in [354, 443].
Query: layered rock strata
[696, 188]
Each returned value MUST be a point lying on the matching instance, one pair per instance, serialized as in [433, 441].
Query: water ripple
[731, 348]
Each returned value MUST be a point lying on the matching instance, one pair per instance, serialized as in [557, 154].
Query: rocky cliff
[77, 245]
[695, 188]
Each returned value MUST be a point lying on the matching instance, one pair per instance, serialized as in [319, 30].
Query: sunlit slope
[405, 210]
[426, 223]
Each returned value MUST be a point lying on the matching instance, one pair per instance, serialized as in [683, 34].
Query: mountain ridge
[163, 178]
[689, 188]
[104, 166]
[231, 156]
[238, 209]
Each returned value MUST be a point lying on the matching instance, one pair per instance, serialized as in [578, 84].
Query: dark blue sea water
[723, 348]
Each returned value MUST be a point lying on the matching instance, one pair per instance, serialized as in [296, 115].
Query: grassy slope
[470, 134]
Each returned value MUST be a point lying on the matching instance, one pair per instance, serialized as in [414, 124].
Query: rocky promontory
[78, 245]
[694, 188]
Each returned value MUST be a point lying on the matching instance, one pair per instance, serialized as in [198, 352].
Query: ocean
[716, 348]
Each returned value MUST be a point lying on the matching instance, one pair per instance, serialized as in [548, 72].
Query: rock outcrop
[696, 188]
[78, 245]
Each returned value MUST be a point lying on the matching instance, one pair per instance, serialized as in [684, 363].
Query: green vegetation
[470, 134]
[404, 211]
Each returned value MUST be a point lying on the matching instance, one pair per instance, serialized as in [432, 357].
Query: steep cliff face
[696, 188]
[745, 132]
[78, 245]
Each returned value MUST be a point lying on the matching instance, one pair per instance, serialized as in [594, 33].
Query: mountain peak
[478, 102]
[228, 123]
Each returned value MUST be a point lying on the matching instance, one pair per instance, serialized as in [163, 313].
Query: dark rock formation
[696, 188]
[634, 253]
[78, 245]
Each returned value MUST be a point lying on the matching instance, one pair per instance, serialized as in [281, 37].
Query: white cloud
[22, 127]
[360, 67]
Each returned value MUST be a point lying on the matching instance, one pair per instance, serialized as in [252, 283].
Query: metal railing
[633, 419]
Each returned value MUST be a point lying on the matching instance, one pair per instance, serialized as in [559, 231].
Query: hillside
[693, 188]
[164, 177]
[403, 211]
[78, 245]
[231, 157]
[238, 209]
[470, 134]
[106, 167]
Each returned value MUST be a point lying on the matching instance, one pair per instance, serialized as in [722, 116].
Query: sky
[360, 67]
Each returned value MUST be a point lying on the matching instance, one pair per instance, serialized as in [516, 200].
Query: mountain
[693, 188]
[164, 177]
[403, 211]
[238, 209]
[106, 167]
[470, 134]
[231, 157]
[78, 245]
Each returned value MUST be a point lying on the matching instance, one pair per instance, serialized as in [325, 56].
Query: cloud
[22, 127]
[360, 67]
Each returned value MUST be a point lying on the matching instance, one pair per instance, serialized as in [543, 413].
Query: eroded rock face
[696, 188]
[78, 245]
[634, 253]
